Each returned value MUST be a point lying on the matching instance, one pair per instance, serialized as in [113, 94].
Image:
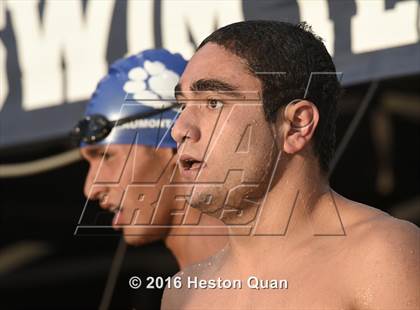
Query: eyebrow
[94, 151]
[213, 85]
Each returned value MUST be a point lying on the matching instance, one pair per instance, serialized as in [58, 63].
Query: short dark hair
[272, 46]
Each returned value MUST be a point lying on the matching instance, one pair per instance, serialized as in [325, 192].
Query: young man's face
[127, 180]
[225, 145]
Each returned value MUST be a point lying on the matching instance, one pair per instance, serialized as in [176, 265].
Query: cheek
[104, 173]
[252, 146]
[125, 177]
[113, 170]
[147, 179]
[144, 175]
[150, 169]
[264, 143]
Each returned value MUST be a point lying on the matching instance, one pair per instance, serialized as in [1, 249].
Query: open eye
[105, 155]
[214, 104]
[180, 106]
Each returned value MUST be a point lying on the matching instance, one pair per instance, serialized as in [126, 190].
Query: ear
[300, 121]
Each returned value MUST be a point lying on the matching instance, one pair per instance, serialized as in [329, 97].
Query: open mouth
[110, 207]
[190, 163]
[117, 218]
[115, 210]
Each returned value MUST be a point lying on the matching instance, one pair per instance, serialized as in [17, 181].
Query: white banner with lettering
[52, 53]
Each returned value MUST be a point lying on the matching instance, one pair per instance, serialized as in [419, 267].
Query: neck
[286, 211]
[176, 243]
[177, 237]
[191, 244]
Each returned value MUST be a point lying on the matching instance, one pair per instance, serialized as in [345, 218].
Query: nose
[91, 191]
[185, 128]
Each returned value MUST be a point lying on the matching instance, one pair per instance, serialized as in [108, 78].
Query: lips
[117, 220]
[189, 166]
[188, 162]
[117, 210]
[110, 207]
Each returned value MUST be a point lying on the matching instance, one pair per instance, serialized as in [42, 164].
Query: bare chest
[293, 289]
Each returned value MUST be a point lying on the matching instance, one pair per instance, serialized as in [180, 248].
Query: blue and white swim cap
[136, 84]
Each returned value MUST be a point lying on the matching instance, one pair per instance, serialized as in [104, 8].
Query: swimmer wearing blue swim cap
[125, 137]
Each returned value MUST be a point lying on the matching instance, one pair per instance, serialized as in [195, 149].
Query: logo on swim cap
[151, 83]
[138, 84]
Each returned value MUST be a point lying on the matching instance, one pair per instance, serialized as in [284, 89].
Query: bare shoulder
[390, 240]
[385, 259]
[375, 233]
[377, 230]
[373, 225]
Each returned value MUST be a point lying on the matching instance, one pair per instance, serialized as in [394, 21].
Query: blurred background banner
[52, 53]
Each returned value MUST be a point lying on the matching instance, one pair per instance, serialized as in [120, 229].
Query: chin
[139, 240]
[231, 204]
[230, 197]
[209, 207]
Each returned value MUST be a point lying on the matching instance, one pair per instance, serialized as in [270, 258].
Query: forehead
[213, 61]
[135, 149]
[96, 149]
